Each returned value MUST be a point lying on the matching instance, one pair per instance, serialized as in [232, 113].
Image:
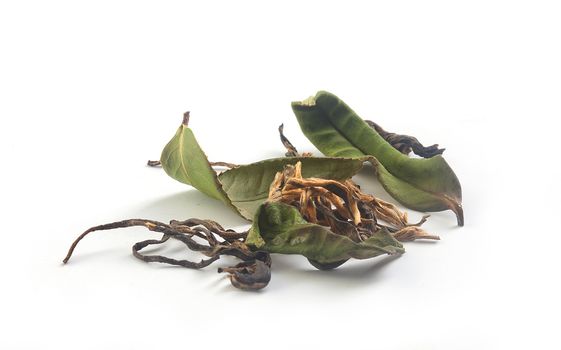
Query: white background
[90, 91]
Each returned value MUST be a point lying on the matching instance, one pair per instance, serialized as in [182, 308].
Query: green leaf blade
[244, 188]
[279, 228]
[184, 160]
[421, 184]
[247, 186]
[323, 135]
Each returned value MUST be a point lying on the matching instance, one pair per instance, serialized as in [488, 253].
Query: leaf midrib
[342, 133]
[181, 154]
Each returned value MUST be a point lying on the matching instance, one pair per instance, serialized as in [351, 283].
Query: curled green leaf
[243, 188]
[337, 131]
[184, 160]
[280, 228]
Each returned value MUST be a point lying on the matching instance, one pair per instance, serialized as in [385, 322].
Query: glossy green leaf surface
[280, 228]
[418, 183]
[245, 187]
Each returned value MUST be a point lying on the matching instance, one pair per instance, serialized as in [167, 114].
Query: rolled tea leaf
[337, 131]
[405, 143]
[280, 228]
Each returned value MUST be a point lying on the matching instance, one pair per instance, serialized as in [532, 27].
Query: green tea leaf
[418, 183]
[245, 187]
[184, 160]
[280, 228]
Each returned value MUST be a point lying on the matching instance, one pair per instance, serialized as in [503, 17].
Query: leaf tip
[459, 211]
[186, 118]
[460, 215]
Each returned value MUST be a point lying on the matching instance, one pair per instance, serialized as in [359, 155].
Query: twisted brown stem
[219, 241]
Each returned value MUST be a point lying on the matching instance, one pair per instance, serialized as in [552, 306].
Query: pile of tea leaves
[302, 204]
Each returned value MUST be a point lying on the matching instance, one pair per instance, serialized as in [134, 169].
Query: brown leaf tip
[456, 206]
[186, 118]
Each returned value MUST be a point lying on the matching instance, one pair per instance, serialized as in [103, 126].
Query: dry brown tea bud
[342, 206]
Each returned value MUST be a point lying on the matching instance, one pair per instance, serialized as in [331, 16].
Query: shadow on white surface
[294, 272]
[350, 270]
[190, 204]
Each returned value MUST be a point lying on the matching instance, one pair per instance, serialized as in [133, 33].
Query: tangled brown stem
[254, 275]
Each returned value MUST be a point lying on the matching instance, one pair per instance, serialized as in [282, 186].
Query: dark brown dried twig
[291, 151]
[405, 144]
[162, 259]
[218, 242]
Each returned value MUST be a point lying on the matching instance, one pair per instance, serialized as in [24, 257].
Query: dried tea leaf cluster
[303, 204]
[343, 207]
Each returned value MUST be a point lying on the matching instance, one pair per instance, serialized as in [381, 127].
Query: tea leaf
[337, 131]
[247, 186]
[243, 187]
[280, 228]
[405, 143]
[184, 160]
